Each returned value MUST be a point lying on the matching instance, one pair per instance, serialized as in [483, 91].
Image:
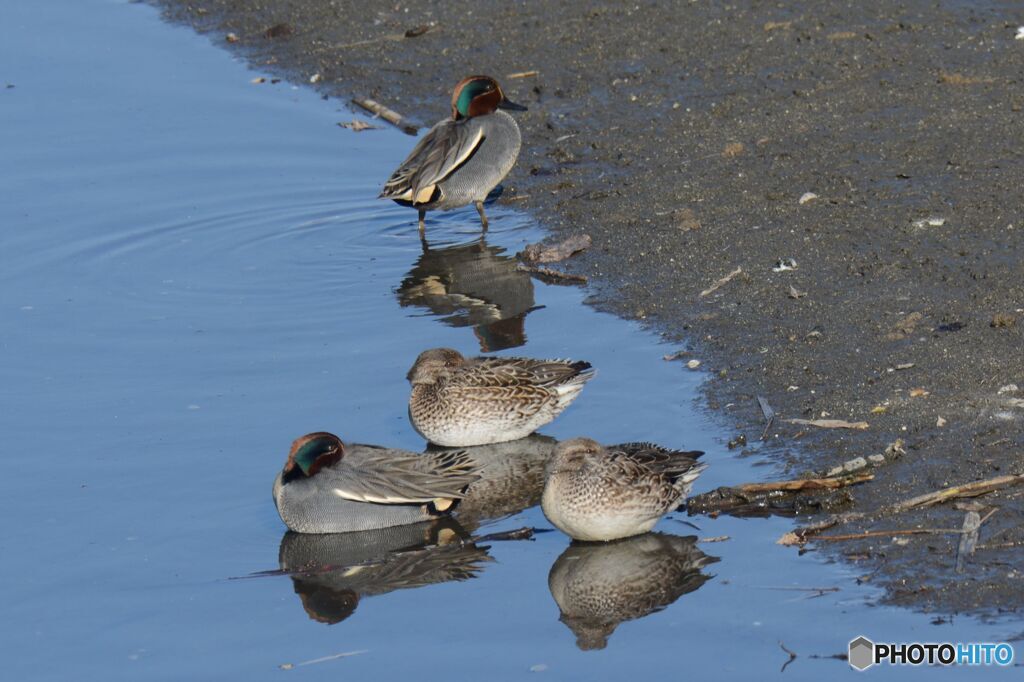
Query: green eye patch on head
[471, 91]
[308, 457]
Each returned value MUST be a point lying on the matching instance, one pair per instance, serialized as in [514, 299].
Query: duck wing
[500, 372]
[445, 147]
[384, 477]
[675, 465]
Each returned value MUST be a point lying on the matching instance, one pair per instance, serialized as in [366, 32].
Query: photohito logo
[863, 653]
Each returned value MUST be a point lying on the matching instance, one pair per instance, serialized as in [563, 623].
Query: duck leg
[483, 216]
[423, 223]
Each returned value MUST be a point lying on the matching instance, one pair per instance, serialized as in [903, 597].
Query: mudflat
[860, 164]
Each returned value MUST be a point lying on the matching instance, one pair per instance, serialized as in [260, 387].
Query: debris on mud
[552, 276]
[355, 125]
[552, 253]
[782, 498]
[722, 281]
[392, 117]
[281, 30]
[829, 423]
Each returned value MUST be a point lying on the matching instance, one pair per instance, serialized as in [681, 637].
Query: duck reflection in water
[599, 585]
[472, 285]
[333, 572]
[510, 478]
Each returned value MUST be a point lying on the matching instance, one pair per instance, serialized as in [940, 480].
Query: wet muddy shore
[687, 140]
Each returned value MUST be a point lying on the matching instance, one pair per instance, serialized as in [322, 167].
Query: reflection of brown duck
[511, 478]
[331, 572]
[597, 586]
[472, 285]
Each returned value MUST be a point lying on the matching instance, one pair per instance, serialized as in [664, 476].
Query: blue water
[193, 271]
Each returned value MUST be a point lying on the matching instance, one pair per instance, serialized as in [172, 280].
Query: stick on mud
[392, 117]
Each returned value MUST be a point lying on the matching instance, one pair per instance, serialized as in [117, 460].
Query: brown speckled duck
[594, 493]
[458, 401]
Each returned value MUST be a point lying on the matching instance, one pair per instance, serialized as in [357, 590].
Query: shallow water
[193, 271]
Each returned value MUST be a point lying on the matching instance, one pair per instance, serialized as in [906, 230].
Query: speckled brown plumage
[458, 401]
[595, 493]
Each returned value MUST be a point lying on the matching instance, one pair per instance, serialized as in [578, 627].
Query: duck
[458, 401]
[597, 494]
[327, 486]
[462, 158]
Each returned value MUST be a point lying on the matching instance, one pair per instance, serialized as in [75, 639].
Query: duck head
[479, 96]
[434, 364]
[570, 455]
[311, 453]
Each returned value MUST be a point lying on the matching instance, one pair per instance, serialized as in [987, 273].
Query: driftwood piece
[972, 489]
[392, 117]
[783, 498]
[886, 533]
[804, 484]
[721, 282]
[553, 253]
[830, 423]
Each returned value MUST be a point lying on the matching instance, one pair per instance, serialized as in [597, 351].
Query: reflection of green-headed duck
[329, 487]
[595, 493]
[473, 285]
[462, 158]
[332, 573]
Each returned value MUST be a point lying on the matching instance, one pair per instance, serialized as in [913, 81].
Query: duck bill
[509, 105]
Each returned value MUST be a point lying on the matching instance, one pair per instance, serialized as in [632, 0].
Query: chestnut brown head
[480, 96]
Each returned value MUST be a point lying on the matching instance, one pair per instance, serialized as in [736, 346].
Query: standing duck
[462, 158]
[593, 493]
[327, 486]
[458, 401]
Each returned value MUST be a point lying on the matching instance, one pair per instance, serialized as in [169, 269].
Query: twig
[523, 74]
[324, 659]
[792, 656]
[411, 33]
[721, 282]
[388, 115]
[972, 489]
[1002, 545]
[525, 533]
[804, 484]
[769, 416]
[968, 539]
[887, 533]
[830, 423]
[818, 591]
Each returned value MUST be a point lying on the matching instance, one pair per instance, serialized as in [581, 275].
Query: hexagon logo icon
[862, 653]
